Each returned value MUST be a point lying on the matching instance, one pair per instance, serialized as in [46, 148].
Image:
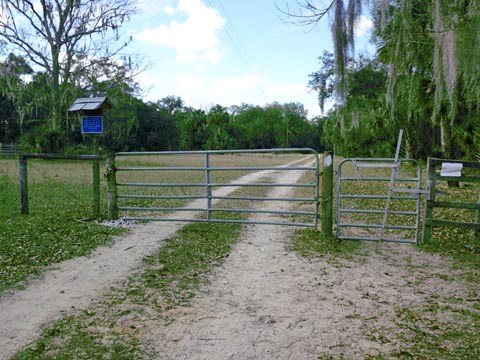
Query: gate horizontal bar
[379, 226]
[456, 204]
[276, 168]
[263, 185]
[215, 185]
[62, 157]
[405, 241]
[251, 211]
[374, 165]
[222, 221]
[463, 179]
[362, 178]
[162, 197]
[265, 222]
[159, 168]
[134, 208]
[160, 185]
[368, 211]
[260, 198]
[248, 168]
[411, 191]
[379, 197]
[173, 197]
[449, 223]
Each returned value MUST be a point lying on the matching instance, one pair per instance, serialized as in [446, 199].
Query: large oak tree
[64, 39]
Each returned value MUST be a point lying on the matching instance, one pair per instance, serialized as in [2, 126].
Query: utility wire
[243, 57]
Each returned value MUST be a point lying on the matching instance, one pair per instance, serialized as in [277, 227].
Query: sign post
[93, 126]
[91, 110]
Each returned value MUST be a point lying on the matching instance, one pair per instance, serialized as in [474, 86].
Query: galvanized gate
[158, 193]
[378, 200]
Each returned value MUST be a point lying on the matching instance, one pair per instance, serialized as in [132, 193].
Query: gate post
[208, 192]
[427, 222]
[327, 193]
[111, 188]
[23, 183]
[96, 187]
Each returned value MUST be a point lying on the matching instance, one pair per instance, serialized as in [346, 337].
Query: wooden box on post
[91, 112]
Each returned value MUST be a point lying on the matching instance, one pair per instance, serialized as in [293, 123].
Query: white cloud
[195, 39]
[169, 9]
[363, 25]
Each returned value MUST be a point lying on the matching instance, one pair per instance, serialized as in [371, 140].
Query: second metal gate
[379, 200]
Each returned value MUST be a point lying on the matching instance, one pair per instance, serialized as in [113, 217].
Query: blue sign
[92, 125]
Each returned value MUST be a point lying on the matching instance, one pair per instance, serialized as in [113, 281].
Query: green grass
[310, 242]
[66, 341]
[169, 280]
[424, 335]
[50, 234]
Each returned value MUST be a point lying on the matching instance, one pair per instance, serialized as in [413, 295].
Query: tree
[433, 89]
[8, 129]
[193, 130]
[219, 129]
[64, 38]
[12, 74]
[322, 81]
[157, 130]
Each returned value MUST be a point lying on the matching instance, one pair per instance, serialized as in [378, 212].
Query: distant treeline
[133, 125]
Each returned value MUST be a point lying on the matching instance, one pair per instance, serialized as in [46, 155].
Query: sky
[228, 52]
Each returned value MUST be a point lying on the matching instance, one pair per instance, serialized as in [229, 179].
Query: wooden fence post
[111, 188]
[327, 194]
[23, 183]
[431, 181]
[96, 188]
[96, 180]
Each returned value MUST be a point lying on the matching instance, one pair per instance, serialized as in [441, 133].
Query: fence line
[23, 158]
[433, 165]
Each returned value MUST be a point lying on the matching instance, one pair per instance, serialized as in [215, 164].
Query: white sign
[451, 169]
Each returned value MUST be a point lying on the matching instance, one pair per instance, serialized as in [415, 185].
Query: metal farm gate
[378, 200]
[194, 186]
